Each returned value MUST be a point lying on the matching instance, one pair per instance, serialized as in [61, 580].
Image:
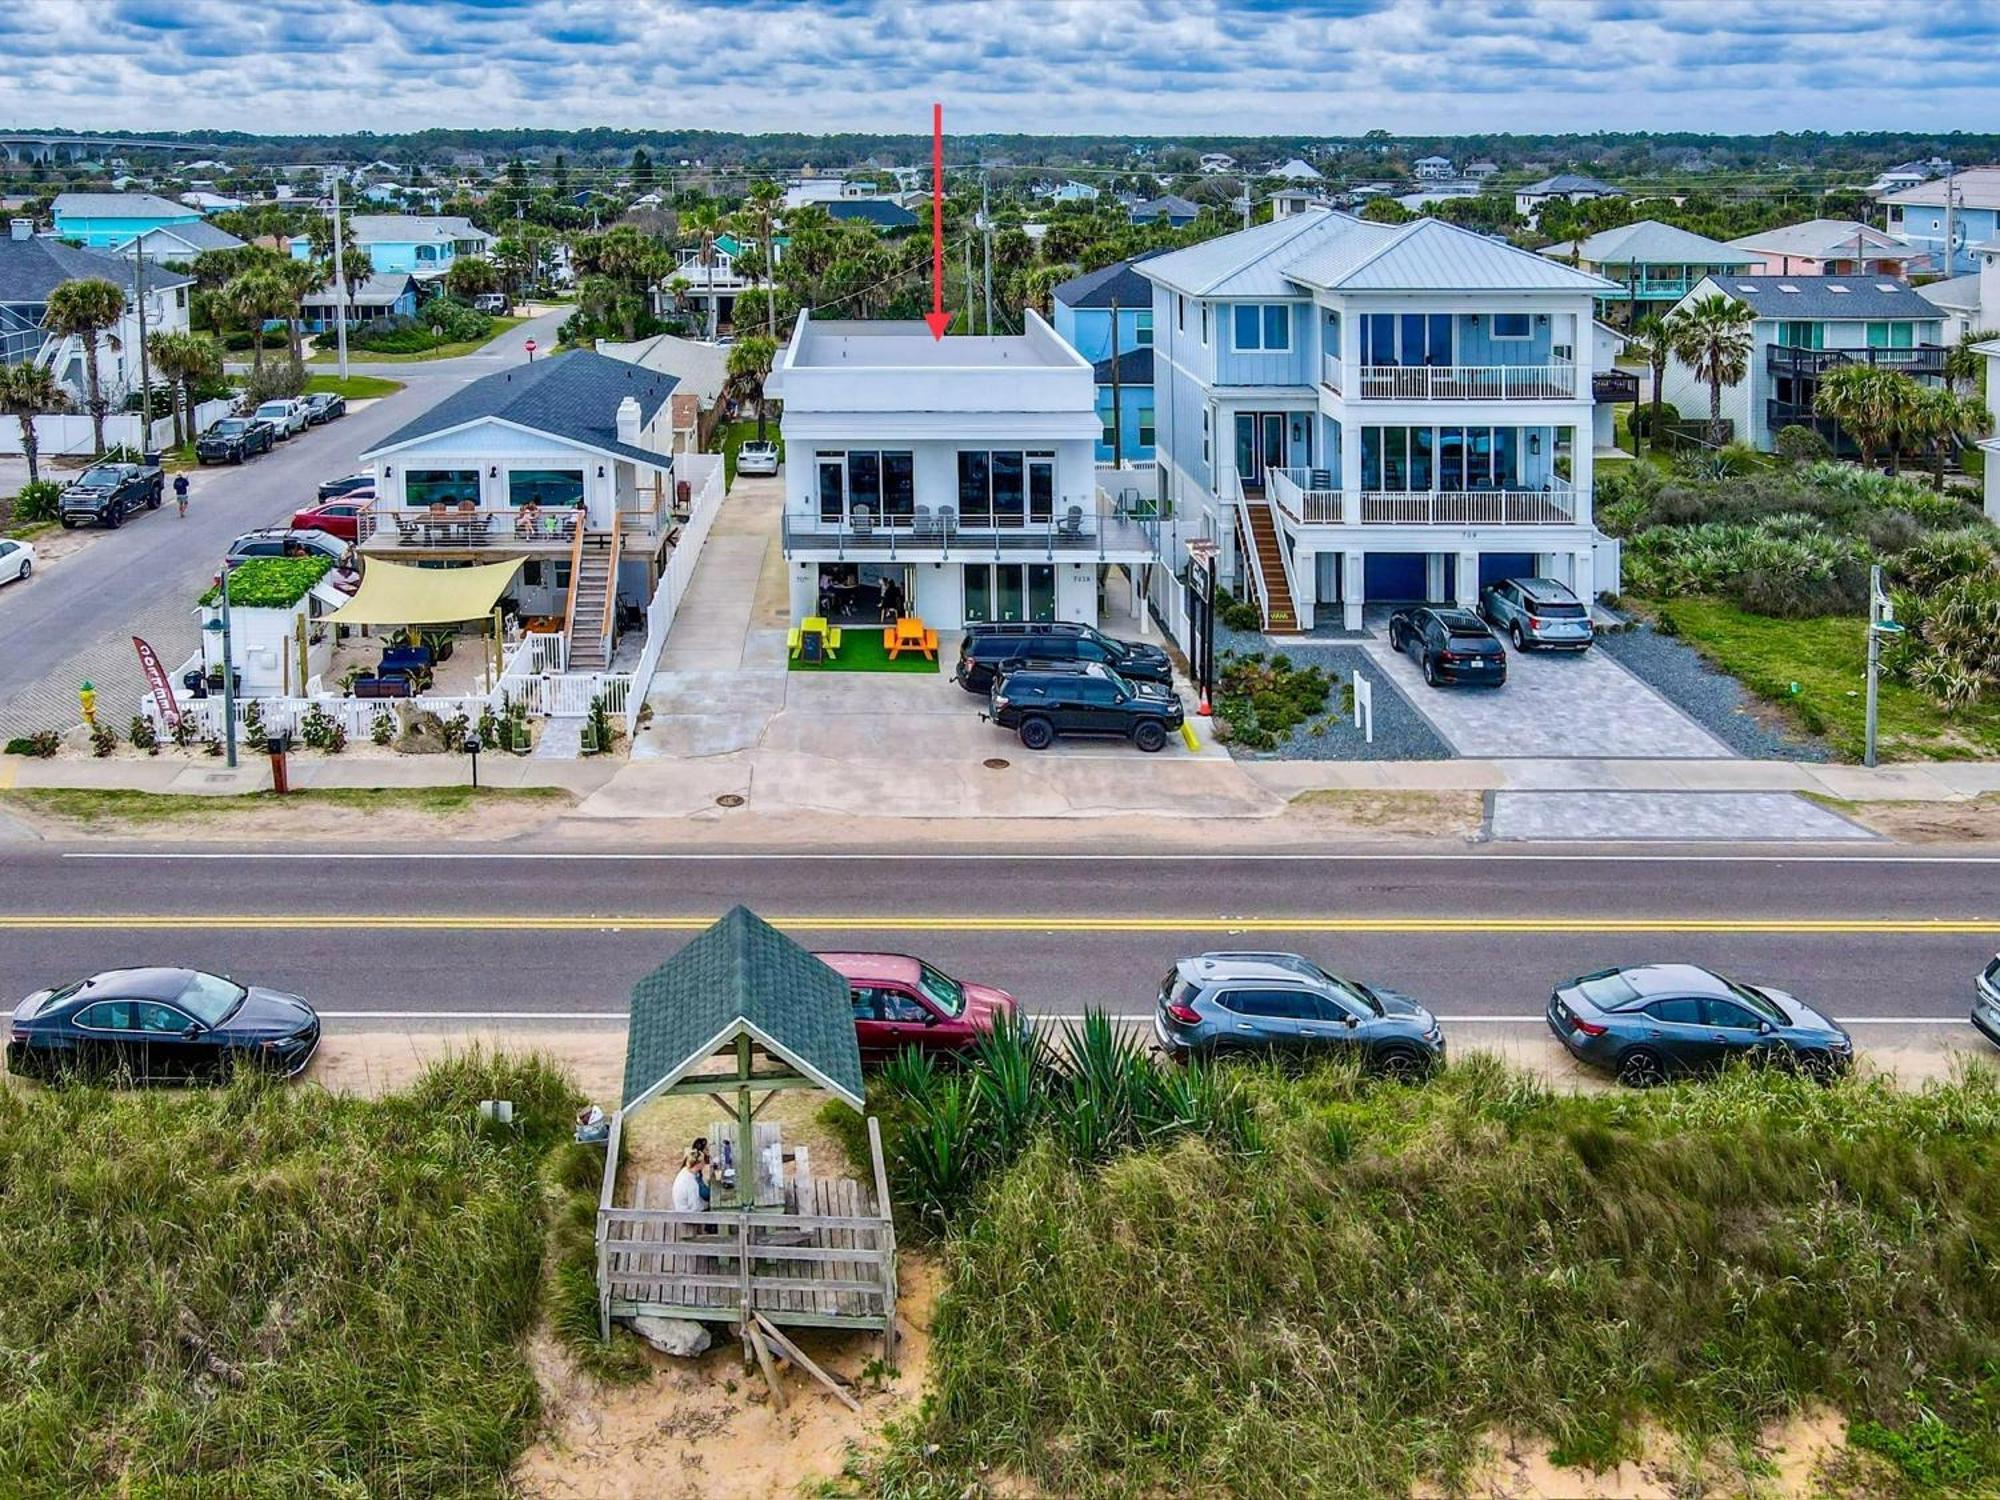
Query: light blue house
[1086, 309]
[423, 245]
[111, 221]
[1917, 216]
[1358, 415]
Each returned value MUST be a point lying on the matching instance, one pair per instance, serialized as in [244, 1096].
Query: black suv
[1453, 645]
[987, 650]
[1041, 702]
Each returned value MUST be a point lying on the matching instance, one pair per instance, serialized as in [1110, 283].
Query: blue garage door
[1494, 566]
[1393, 578]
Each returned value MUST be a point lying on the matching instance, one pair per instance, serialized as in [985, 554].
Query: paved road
[506, 934]
[76, 618]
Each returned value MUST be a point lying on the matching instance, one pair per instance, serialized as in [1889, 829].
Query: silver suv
[1279, 1004]
[1537, 612]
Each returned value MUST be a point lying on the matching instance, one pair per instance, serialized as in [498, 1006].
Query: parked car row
[1454, 645]
[231, 440]
[1048, 680]
[1644, 1024]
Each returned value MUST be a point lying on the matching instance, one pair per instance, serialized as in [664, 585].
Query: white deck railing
[1304, 502]
[1329, 372]
[1551, 382]
[1301, 502]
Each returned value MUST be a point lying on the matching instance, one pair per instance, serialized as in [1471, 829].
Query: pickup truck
[105, 494]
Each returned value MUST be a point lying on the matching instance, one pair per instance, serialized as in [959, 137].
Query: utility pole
[971, 307]
[145, 368]
[1881, 622]
[228, 676]
[339, 286]
[1949, 265]
[1117, 396]
[986, 229]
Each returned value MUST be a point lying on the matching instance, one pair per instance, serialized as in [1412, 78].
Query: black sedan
[159, 1025]
[234, 439]
[1451, 645]
[323, 406]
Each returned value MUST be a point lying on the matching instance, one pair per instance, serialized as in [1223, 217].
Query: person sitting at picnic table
[530, 517]
[691, 1183]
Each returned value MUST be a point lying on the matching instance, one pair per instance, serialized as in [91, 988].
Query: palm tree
[26, 391]
[1712, 338]
[256, 296]
[86, 309]
[186, 359]
[1962, 367]
[300, 279]
[1942, 417]
[750, 360]
[1653, 342]
[1855, 399]
[760, 209]
[513, 258]
[702, 219]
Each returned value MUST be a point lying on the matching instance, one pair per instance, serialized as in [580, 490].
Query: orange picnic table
[908, 633]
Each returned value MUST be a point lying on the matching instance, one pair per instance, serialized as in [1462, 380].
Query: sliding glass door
[1008, 592]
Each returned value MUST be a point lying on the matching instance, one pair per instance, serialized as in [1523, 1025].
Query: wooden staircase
[1280, 615]
[593, 573]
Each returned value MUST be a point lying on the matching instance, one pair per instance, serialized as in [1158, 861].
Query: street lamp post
[1881, 623]
[228, 671]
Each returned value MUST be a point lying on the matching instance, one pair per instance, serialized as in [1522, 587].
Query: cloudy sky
[1150, 66]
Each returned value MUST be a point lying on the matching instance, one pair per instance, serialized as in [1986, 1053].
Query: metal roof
[1977, 187]
[741, 976]
[1571, 182]
[1822, 239]
[413, 229]
[573, 396]
[1246, 263]
[32, 268]
[1651, 243]
[120, 206]
[1821, 297]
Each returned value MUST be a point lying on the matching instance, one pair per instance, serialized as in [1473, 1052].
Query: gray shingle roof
[1571, 182]
[1135, 367]
[573, 396]
[1171, 206]
[1825, 296]
[32, 268]
[1117, 282]
[119, 206]
[875, 211]
[382, 289]
[198, 236]
[741, 975]
[414, 229]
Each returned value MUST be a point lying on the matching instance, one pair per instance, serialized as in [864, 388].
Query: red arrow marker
[937, 317]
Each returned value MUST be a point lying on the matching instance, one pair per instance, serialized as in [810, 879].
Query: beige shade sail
[398, 594]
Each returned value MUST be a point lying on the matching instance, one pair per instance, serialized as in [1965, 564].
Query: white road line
[1029, 855]
[619, 1015]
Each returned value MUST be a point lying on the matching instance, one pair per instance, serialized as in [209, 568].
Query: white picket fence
[287, 715]
[69, 435]
[678, 574]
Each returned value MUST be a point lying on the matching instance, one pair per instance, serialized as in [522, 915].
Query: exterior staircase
[1281, 617]
[590, 584]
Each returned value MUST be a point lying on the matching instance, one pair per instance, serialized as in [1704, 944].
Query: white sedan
[17, 560]
[757, 458]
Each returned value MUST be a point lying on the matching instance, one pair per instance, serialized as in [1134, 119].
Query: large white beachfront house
[951, 478]
[1358, 413]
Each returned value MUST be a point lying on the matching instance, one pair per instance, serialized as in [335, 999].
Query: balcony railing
[1329, 372]
[465, 528]
[1100, 529]
[1614, 385]
[1922, 359]
[1305, 498]
[1551, 382]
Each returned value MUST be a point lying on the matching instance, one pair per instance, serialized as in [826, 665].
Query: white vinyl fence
[68, 434]
[678, 574]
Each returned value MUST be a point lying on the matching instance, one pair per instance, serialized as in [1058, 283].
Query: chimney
[628, 422]
[21, 229]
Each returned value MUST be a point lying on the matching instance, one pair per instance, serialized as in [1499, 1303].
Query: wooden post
[764, 1359]
[746, 1144]
[885, 1241]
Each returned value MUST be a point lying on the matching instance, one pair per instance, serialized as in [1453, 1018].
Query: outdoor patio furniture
[863, 521]
[393, 686]
[923, 523]
[405, 658]
[947, 520]
[1070, 527]
[908, 633]
[813, 639]
[410, 530]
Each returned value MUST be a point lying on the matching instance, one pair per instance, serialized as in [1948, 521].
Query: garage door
[1393, 578]
[1494, 566]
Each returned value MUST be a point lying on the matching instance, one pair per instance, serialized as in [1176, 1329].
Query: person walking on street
[181, 495]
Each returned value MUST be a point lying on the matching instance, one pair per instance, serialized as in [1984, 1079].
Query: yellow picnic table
[813, 625]
[908, 633]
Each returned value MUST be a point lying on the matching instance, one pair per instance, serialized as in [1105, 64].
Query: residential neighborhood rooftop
[414, 228]
[906, 344]
[1822, 297]
[1824, 239]
[1649, 243]
[879, 212]
[572, 396]
[32, 268]
[118, 206]
[1570, 182]
[1975, 187]
[1135, 367]
[1116, 283]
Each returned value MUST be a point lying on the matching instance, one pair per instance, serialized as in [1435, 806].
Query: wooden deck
[808, 1251]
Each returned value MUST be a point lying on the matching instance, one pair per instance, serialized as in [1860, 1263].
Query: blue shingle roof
[573, 396]
[1135, 367]
[874, 211]
[1117, 282]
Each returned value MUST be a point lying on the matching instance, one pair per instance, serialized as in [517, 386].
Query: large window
[1406, 339]
[1892, 335]
[546, 487]
[440, 486]
[1006, 487]
[1445, 458]
[1513, 326]
[1262, 327]
[882, 482]
[1802, 335]
[1142, 330]
[1146, 423]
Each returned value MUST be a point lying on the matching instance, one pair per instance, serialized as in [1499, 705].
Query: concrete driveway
[76, 618]
[1553, 706]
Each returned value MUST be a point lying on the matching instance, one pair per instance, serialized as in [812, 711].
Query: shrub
[253, 714]
[103, 740]
[1944, 556]
[279, 380]
[1802, 445]
[322, 731]
[39, 500]
[382, 728]
[456, 728]
[185, 731]
[1264, 701]
[142, 735]
[40, 743]
[1788, 565]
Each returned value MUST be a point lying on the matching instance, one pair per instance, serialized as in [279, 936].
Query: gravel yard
[1713, 699]
[1399, 733]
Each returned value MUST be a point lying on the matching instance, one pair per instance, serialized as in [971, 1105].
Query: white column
[1350, 465]
[1351, 589]
[1305, 566]
[1582, 463]
[1133, 572]
[1434, 577]
[1583, 575]
[1468, 578]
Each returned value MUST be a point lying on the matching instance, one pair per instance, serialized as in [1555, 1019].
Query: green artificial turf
[861, 650]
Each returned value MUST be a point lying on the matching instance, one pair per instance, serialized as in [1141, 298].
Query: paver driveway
[1552, 705]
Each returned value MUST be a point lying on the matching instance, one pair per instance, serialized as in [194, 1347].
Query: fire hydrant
[87, 696]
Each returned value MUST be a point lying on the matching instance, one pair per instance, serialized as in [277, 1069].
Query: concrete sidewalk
[1927, 781]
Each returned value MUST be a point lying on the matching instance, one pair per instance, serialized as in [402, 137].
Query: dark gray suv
[1279, 1004]
[1537, 612]
[1648, 1023]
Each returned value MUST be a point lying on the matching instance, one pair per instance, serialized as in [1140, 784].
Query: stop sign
[531, 346]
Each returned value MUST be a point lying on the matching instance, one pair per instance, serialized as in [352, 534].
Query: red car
[903, 1002]
[341, 518]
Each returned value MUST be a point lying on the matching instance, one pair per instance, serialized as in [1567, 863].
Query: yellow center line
[543, 922]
